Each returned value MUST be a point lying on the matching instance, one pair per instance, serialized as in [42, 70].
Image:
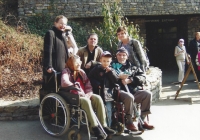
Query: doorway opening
[162, 35]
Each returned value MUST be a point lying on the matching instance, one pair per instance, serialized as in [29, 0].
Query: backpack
[137, 55]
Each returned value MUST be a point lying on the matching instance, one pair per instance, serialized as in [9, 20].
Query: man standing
[132, 79]
[90, 54]
[193, 49]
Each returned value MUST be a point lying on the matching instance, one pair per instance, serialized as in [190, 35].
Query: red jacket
[67, 80]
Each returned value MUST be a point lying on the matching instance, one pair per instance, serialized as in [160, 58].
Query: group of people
[95, 74]
[193, 56]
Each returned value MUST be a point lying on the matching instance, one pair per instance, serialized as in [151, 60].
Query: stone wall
[154, 82]
[29, 109]
[92, 8]
[193, 26]
[19, 112]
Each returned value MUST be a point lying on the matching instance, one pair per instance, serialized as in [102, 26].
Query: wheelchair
[118, 115]
[60, 112]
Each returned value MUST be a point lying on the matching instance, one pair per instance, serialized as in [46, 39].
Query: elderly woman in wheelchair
[73, 75]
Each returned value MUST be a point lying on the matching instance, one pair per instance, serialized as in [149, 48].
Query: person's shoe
[140, 127]
[98, 132]
[109, 131]
[147, 126]
[131, 127]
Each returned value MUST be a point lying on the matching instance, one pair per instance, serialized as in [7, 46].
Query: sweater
[178, 53]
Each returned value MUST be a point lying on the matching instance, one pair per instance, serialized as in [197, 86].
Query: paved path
[173, 119]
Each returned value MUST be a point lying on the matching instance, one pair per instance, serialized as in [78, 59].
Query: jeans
[109, 113]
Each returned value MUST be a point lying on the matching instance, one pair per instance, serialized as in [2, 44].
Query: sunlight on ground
[23, 102]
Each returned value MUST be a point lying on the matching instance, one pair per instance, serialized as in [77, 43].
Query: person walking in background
[55, 51]
[181, 55]
[193, 48]
[134, 47]
[71, 43]
[90, 54]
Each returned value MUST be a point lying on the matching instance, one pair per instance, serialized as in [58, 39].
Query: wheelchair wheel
[54, 114]
[72, 135]
[119, 127]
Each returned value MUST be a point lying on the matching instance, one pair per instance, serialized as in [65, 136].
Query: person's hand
[81, 94]
[49, 70]
[88, 65]
[123, 76]
[108, 69]
[126, 81]
[69, 28]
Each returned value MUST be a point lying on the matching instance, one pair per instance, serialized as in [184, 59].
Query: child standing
[103, 79]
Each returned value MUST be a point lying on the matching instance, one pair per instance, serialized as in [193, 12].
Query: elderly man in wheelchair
[114, 79]
[131, 80]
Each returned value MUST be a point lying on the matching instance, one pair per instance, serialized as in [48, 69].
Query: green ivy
[40, 23]
[113, 18]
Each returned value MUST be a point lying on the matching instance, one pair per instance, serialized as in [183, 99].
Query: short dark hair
[60, 17]
[91, 35]
[121, 28]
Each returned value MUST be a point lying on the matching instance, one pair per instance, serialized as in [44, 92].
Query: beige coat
[83, 54]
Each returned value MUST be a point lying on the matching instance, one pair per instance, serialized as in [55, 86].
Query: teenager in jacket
[90, 54]
[74, 75]
[134, 81]
[103, 79]
[55, 51]
[136, 53]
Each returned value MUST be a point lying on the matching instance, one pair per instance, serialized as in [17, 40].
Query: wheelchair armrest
[68, 88]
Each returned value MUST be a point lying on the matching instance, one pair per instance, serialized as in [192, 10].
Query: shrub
[113, 18]
[20, 63]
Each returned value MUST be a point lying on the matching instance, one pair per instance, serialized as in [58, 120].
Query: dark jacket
[137, 76]
[106, 80]
[193, 49]
[55, 50]
[55, 56]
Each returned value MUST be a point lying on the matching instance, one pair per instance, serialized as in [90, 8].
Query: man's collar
[89, 49]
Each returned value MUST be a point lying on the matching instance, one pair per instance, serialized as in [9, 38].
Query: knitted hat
[122, 50]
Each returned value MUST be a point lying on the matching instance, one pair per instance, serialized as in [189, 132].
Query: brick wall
[92, 8]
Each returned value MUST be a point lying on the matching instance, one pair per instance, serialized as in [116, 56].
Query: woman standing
[55, 52]
[136, 53]
[181, 54]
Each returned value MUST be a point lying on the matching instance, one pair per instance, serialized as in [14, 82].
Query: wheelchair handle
[55, 77]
